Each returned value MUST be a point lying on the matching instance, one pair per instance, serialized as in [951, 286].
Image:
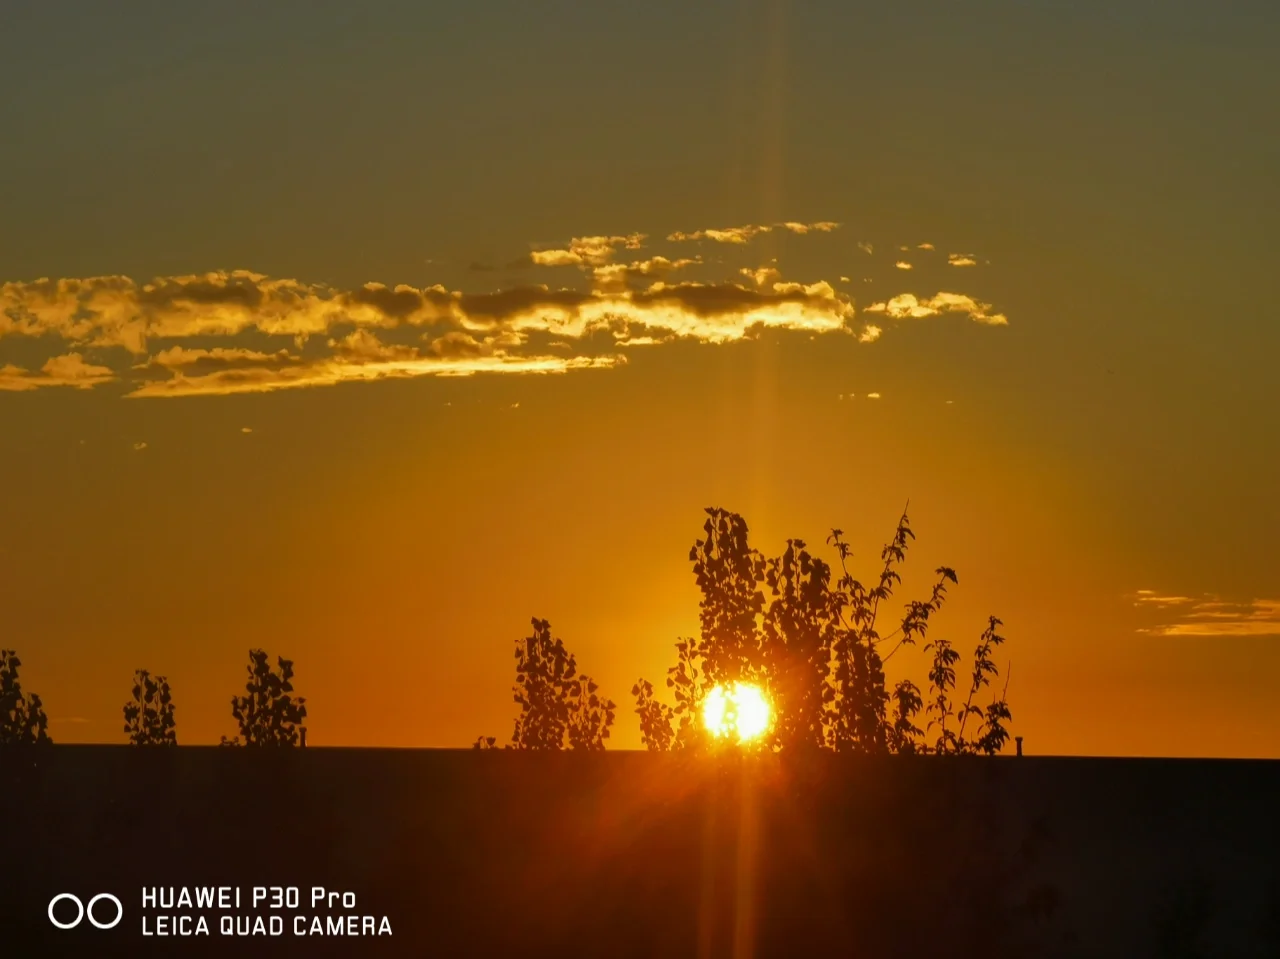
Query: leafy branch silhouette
[148, 715]
[22, 717]
[268, 714]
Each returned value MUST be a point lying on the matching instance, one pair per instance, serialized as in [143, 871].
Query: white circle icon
[82, 910]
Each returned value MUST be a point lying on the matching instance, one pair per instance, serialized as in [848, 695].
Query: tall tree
[817, 651]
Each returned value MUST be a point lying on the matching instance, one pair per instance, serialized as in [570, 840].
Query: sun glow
[738, 710]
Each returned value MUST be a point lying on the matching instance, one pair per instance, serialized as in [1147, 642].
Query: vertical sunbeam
[748, 848]
[707, 911]
[770, 140]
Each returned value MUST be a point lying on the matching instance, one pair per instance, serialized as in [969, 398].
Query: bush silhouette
[268, 714]
[148, 716]
[560, 708]
[22, 718]
[815, 647]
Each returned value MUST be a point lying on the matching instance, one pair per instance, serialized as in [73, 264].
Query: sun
[738, 711]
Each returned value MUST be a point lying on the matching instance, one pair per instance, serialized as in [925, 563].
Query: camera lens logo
[86, 911]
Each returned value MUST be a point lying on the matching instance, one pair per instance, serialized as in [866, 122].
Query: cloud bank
[239, 331]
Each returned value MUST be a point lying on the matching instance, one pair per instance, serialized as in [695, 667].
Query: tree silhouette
[22, 718]
[560, 708]
[148, 716]
[656, 730]
[268, 714]
[816, 649]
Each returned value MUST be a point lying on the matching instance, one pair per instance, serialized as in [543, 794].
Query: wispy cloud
[961, 259]
[69, 369]
[866, 247]
[744, 234]
[219, 357]
[925, 246]
[909, 306]
[1208, 615]
[329, 372]
[1149, 597]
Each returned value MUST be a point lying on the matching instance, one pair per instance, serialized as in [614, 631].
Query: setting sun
[739, 709]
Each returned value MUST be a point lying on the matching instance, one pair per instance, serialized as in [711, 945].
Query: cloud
[824, 226]
[961, 259]
[903, 265]
[246, 429]
[1209, 615]
[139, 446]
[744, 234]
[622, 276]
[178, 357]
[556, 258]
[660, 265]
[908, 306]
[332, 372]
[1149, 597]
[925, 246]
[109, 311]
[69, 369]
[762, 276]
[239, 331]
[123, 313]
[873, 396]
[362, 346]
[866, 247]
[587, 250]
[490, 332]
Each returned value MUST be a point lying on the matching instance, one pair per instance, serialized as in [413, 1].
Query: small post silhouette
[1018, 740]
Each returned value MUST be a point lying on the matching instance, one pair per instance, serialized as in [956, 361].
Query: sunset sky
[365, 332]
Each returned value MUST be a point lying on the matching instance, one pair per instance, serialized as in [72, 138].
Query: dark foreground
[628, 854]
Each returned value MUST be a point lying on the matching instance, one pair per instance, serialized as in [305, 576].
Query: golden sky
[364, 339]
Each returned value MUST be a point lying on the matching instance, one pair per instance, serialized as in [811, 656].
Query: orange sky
[308, 343]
